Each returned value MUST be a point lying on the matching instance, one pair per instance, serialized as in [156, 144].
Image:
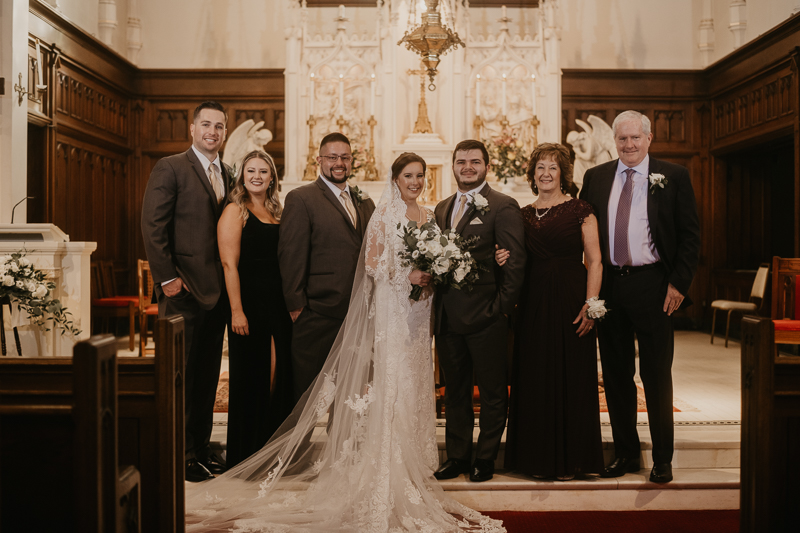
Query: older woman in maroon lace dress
[554, 413]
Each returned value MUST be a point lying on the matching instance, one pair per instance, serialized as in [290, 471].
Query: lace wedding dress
[372, 470]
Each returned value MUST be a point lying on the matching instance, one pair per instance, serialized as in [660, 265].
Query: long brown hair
[239, 194]
[560, 154]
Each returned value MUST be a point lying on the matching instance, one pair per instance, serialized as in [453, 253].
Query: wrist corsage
[657, 180]
[357, 195]
[597, 309]
[479, 203]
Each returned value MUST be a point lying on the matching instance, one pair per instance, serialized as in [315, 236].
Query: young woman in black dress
[248, 247]
[554, 412]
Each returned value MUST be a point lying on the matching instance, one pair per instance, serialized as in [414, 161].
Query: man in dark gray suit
[322, 226]
[185, 196]
[472, 327]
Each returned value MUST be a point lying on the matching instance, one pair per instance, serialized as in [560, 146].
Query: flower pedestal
[67, 264]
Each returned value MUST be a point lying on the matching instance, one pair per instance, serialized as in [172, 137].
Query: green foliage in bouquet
[24, 284]
[444, 255]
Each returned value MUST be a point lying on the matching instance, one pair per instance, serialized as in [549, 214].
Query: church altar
[368, 87]
[65, 263]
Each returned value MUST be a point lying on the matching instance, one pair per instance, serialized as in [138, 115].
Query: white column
[705, 37]
[107, 21]
[134, 31]
[13, 116]
[550, 119]
[296, 127]
[738, 21]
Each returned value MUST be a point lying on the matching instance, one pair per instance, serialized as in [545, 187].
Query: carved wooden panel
[172, 125]
[86, 104]
[90, 197]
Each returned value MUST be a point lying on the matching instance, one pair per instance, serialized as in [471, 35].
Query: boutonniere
[479, 203]
[358, 195]
[657, 180]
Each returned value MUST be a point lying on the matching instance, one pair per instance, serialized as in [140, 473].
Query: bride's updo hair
[403, 161]
[560, 154]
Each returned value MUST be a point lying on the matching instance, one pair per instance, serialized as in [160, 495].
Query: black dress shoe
[452, 468]
[620, 466]
[214, 463]
[195, 472]
[482, 470]
[661, 473]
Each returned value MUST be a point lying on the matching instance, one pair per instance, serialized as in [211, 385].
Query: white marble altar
[67, 264]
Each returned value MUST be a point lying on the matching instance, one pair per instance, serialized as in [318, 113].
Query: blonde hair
[239, 194]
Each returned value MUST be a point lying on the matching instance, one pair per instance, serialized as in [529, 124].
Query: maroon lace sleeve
[583, 209]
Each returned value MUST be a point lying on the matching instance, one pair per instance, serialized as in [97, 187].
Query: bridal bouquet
[24, 285]
[443, 255]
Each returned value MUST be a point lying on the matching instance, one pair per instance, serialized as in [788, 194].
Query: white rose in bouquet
[441, 266]
[8, 281]
[460, 272]
[40, 292]
[14, 266]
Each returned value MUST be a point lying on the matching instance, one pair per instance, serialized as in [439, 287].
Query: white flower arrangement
[25, 286]
[479, 203]
[657, 180]
[597, 309]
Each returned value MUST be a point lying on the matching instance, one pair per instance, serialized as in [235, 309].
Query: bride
[373, 471]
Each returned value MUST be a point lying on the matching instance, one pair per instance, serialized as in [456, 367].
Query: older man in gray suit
[184, 199]
[322, 227]
[472, 327]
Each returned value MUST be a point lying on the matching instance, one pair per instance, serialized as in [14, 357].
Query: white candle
[533, 93]
[311, 95]
[504, 95]
[478, 96]
[372, 96]
[39, 63]
[341, 94]
[341, 11]
[504, 12]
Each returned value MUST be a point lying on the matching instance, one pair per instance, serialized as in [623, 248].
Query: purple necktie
[622, 255]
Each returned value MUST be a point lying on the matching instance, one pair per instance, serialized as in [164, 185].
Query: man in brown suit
[322, 226]
[472, 327]
[185, 196]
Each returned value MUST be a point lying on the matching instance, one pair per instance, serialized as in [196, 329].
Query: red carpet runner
[619, 521]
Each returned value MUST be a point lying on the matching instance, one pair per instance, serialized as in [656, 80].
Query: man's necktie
[348, 205]
[462, 208]
[216, 183]
[622, 253]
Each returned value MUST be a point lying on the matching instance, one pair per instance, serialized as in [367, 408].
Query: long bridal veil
[369, 466]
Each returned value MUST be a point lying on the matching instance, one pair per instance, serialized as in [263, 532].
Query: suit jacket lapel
[326, 191]
[203, 177]
[652, 200]
[605, 185]
[471, 210]
[444, 220]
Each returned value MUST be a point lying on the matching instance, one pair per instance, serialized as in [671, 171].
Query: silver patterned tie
[622, 253]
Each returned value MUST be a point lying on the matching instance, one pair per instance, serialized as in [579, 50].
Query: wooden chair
[107, 303]
[786, 300]
[757, 293]
[146, 308]
[59, 435]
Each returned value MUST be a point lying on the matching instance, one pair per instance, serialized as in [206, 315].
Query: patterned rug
[221, 403]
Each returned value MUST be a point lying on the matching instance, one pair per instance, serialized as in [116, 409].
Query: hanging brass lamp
[431, 39]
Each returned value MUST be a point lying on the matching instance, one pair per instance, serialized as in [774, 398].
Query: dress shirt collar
[642, 168]
[471, 193]
[205, 162]
[337, 192]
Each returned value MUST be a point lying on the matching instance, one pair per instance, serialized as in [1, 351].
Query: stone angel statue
[248, 136]
[594, 145]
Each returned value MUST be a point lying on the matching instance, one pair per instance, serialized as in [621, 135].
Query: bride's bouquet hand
[420, 278]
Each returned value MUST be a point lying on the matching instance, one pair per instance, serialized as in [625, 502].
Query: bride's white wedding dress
[373, 470]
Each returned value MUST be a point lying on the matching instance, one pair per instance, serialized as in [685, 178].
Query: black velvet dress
[554, 412]
[255, 412]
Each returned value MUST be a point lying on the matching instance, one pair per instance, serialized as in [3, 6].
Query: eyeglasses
[334, 158]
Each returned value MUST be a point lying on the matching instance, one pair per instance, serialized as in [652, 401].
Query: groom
[322, 226]
[650, 237]
[472, 327]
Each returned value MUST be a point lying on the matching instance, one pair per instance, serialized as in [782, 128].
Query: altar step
[705, 469]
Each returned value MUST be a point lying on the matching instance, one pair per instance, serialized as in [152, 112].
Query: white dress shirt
[640, 240]
[337, 192]
[469, 195]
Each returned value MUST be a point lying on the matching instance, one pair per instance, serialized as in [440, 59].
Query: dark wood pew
[58, 444]
[150, 417]
[770, 432]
